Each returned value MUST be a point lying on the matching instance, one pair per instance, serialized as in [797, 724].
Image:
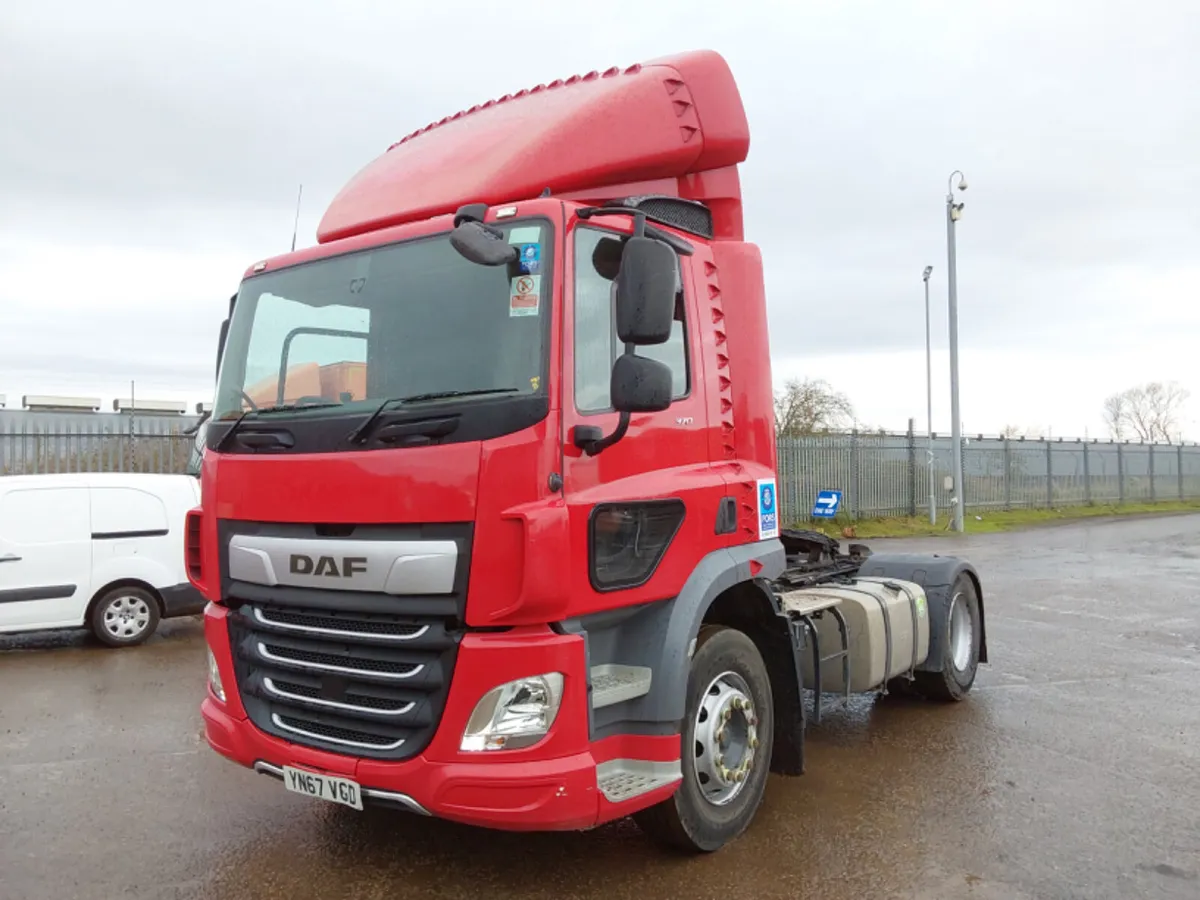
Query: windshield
[397, 321]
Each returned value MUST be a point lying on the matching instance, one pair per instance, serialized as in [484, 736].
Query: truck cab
[488, 522]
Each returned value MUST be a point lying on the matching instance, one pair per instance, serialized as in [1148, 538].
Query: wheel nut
[753, 743]
[721, 736]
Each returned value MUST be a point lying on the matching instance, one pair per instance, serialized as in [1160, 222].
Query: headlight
[214, 676]
[514, 715]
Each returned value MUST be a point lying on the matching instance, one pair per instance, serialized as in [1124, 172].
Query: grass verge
[991, 520]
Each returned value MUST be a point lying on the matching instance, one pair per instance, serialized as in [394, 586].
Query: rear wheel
[962, 632]
[125, 616]
[726, 746]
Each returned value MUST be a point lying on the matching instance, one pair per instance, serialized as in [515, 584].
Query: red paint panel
[416, 484]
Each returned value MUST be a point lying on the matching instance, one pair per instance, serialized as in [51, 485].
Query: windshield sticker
[531, 258]
[527, 234]
[523, 298]
[535, 382]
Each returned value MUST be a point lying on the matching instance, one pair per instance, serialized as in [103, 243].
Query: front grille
[365, 684]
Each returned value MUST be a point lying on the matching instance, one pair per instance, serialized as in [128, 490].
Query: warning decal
[523, 298]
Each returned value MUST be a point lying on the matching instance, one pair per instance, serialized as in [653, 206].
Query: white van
[102, 551]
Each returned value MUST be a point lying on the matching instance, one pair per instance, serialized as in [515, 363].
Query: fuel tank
[887, 623]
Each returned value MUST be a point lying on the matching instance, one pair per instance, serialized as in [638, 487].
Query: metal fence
[34, 443]
[878, 475]
[888, 475]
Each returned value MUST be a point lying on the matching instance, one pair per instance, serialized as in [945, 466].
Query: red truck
[507, 551]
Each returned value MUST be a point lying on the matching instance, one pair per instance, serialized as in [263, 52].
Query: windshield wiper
[262, 411]
[359, 435]
[293, 407]
[237, 423]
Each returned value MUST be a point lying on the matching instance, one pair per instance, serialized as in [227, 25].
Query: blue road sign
[827, 504]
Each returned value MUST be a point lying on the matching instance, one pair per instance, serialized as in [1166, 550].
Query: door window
[597, 257]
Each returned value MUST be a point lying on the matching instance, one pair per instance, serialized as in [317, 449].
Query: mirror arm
[678, 244]
[591, 448]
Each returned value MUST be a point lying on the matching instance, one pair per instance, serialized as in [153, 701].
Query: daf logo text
[328, 566]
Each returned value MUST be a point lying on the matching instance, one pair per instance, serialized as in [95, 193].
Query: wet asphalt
[1072, 771]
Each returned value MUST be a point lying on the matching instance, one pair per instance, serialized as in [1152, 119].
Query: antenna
[296, 225]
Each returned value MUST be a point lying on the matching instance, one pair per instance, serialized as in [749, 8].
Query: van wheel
[727, 737]
[125, 616]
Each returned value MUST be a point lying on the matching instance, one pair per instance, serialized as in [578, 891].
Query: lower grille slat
[366, 684]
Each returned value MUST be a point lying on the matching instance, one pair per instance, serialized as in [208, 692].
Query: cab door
[638, 507]
[45, 557]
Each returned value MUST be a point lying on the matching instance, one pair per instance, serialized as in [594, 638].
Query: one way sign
[827, 504]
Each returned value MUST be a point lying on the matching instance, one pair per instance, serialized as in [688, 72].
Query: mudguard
[936, 574]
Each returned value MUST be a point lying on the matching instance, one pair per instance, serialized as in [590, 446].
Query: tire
[727, 662]
[960, 651]
[124, 616]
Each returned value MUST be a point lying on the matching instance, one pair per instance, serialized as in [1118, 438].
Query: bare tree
[1116, 409]
[811, 406]
[1148, 412]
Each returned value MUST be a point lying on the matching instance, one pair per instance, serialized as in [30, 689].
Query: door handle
[10, 557]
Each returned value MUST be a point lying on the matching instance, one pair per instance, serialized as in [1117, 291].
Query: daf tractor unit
[489, 526]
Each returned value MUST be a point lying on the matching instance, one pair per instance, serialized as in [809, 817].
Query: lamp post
[953, 213]
[929, 402]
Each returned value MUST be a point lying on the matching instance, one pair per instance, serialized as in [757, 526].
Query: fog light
[514, 715]
[214, 677]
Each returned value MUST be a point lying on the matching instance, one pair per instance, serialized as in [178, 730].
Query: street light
[953, 213]
[929, 400]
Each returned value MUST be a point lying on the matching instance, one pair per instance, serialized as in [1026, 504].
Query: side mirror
[640, 385]
[481, 245]
[221, 338]
[646, 292]
[221, 344]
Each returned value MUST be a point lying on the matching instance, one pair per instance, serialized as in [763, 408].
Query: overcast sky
[150, 152]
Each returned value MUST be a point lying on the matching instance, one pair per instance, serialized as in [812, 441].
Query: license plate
[323, 787]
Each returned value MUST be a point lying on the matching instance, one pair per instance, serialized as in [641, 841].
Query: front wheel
[125, 616]
[962, 634]
[726, 746]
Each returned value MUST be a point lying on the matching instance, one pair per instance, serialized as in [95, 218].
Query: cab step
[616, 684]
[624, 779]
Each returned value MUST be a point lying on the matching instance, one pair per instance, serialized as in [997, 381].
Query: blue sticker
[768, 515]
[531, 258]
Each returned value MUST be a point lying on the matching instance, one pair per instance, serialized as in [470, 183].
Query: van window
[127, 512]
[44, 515]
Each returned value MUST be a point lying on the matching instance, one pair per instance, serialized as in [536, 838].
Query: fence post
[1087, 477]
[855, 475]
[1049, 476]
[912, 471]
[1007, 474]
[1121, 473]
[1179, 466]
[1153, 489]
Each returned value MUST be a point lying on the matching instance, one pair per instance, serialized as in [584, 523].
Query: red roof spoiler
[666, 119]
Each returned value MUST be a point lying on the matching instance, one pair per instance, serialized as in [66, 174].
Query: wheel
[960, 648]
[125, 616]
[729, 726]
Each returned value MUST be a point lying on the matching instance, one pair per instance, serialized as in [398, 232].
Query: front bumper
[550, 786]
